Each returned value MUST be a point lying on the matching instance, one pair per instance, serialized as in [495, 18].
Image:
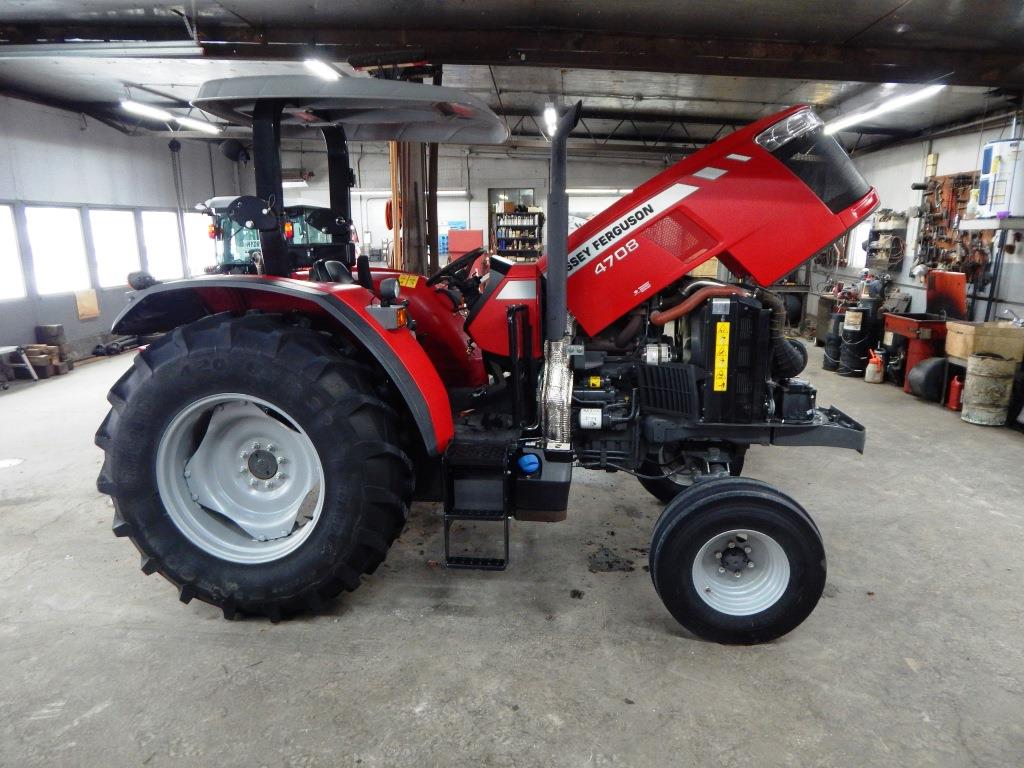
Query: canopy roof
[369, 109]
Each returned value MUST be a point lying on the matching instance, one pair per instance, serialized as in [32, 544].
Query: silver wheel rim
[240, 478]
[741, 572]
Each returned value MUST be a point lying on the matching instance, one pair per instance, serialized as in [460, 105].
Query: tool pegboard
[940, 245]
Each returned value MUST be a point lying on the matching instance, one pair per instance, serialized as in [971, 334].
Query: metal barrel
[987, 389]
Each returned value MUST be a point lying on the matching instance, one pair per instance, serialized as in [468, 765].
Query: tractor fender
[165, 306]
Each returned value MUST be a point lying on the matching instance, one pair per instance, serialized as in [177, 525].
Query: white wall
[892, 172]
[52, 156]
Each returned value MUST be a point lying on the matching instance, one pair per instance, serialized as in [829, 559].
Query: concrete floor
[915, 657]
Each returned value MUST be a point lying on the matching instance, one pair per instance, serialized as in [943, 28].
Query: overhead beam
[568, 48]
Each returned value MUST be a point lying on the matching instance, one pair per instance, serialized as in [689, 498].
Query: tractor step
[478, 563]
[478, 481]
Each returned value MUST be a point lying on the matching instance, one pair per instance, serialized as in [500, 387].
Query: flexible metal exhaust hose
[786, 360]
[556, 391]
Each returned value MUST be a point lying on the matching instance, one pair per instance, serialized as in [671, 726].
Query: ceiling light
[145, 110]
[292, 183]
[197, 125]
[387, 193]
[322, 69]
[597, 191]
[889, 105]
[550, 118]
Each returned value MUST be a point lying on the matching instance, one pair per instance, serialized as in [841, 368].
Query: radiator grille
[669, 388]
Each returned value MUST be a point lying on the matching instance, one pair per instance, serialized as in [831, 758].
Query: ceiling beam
[566, 48]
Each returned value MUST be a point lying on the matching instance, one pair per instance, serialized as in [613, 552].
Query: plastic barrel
[987, 389]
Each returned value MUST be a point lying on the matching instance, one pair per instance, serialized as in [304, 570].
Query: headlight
[792, 127]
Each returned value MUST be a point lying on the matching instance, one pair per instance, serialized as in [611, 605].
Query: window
[202, 249]
[12, 280]
[163, 245]
[58, 250]
[856, 253]
[115, 246]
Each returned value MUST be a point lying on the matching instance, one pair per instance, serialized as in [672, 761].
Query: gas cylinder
[956, 391]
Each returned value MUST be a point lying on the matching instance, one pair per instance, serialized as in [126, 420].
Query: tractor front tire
[253, 465]
[736, 561]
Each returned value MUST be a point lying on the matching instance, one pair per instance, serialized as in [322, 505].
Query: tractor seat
[324, 271]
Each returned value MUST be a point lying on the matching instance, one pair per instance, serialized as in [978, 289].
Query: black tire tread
[351, 389]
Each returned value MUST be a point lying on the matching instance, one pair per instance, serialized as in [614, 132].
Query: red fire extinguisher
[956, 392]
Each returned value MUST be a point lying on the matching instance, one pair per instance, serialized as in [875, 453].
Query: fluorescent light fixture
[197, 125]
[597, 191]
[145, 110]
[322, 69]
[550, 118]
[292, 183]
[889, 105]
[387, 193]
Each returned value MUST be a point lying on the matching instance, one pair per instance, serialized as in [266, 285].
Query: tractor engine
[714, 354]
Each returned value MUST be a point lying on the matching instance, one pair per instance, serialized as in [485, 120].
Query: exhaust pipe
[556, 384]
[555, 314]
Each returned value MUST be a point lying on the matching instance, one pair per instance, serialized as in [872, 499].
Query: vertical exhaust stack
[556, 387]
[555, 315]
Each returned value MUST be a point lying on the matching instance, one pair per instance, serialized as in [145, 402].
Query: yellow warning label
[408, 281]
[594, 382]
[721, 356]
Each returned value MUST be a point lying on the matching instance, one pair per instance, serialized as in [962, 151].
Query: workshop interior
[500, 383]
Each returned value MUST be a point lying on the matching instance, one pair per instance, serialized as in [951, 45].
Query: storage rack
[519, 235]
[887, 241]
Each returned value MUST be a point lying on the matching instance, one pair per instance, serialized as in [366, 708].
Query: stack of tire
[833, 342]
[860, 333]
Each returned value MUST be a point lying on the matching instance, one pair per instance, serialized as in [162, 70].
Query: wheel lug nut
[750, 564]
[188, 473]
[721, 570]
[737, 574]
[282, 476]
[256, 446]
[243, 469]
[282, 459]
[718, 555]
[253, 481]
[268, 484]
[271, 447]
[747, 550]
[244, 454]
[732, 545]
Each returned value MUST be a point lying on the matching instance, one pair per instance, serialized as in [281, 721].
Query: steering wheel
[452, 269]
[456, 275]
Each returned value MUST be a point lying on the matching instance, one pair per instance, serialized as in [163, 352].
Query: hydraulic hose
[685, 307]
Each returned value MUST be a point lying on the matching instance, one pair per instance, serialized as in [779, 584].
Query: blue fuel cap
[529, 463]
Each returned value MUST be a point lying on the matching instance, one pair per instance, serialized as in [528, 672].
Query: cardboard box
[964, 339]
[708, 269]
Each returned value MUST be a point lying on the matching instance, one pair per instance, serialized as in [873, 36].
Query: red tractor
[262, 454]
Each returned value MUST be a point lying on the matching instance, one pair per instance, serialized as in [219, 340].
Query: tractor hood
[763, 200]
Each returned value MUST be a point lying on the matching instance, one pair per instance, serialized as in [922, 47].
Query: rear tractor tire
[736, 561]
[253, 465]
